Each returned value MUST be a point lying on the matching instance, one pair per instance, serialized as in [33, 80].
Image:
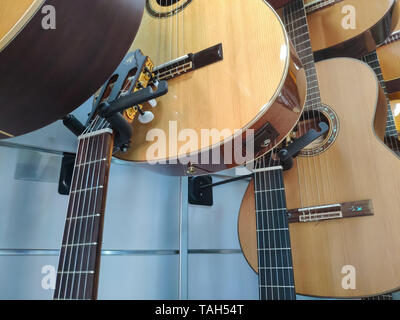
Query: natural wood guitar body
[255, 82]
[358, 166]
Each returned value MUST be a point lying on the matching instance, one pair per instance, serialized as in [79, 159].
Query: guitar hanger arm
[108, 109]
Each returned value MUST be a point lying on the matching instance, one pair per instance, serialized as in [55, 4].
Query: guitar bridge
[188, 63]
[329, 212]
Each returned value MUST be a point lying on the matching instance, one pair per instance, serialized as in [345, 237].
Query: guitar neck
[295, 20]
[275, 268]
[79, 263]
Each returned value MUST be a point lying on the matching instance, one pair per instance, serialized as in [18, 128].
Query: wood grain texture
[327, 33]
[46, 74]
[326, 25]
[358, 166]
[231, 94]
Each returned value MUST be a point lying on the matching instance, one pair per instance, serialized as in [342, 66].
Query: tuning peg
[153, 103]
[146, 117]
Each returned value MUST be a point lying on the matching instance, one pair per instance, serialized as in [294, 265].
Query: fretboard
[373, 61]
[275, 268]
[296, 24]
[79, 262]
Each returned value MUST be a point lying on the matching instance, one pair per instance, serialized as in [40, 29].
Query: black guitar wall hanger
[200, 188]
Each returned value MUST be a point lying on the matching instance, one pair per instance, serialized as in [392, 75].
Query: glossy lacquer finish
[46, 74]
[257, 80]
[374, 20]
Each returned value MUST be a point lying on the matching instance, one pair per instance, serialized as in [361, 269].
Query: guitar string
[288, 16]
[71, 228]
[283, 201]
[171, 18]
[267, 211]
[307, 164]
[177, 29]
[256, 183]
[265, 222]
[315, 109]
[103, 153]
[274, 185]
[90, 211]
[82, 203]
[270, 216]
[287, 242]
[280, 220]
[265, 215]
[101, 125]
[74, 180]
[159, 40]
[83, 147]
[261, 237]
[73, 195]
[81, 211]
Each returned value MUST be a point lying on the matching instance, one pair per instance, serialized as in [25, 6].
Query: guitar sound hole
[166, 8]
[166, 3]
[310, 120]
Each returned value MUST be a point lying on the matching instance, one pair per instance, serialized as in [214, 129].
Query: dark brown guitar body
[46, 74]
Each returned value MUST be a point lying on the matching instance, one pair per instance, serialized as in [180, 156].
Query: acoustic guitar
[350, 171]
[54, 54]
[374, 21]
[234, 72]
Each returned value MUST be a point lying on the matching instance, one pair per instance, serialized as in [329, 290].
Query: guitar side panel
[373, 23]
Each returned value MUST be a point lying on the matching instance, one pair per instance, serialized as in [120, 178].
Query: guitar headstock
[133, 74]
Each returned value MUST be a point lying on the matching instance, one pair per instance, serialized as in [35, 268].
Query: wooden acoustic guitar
[348, 173]
[229, 66]
[47, 73]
